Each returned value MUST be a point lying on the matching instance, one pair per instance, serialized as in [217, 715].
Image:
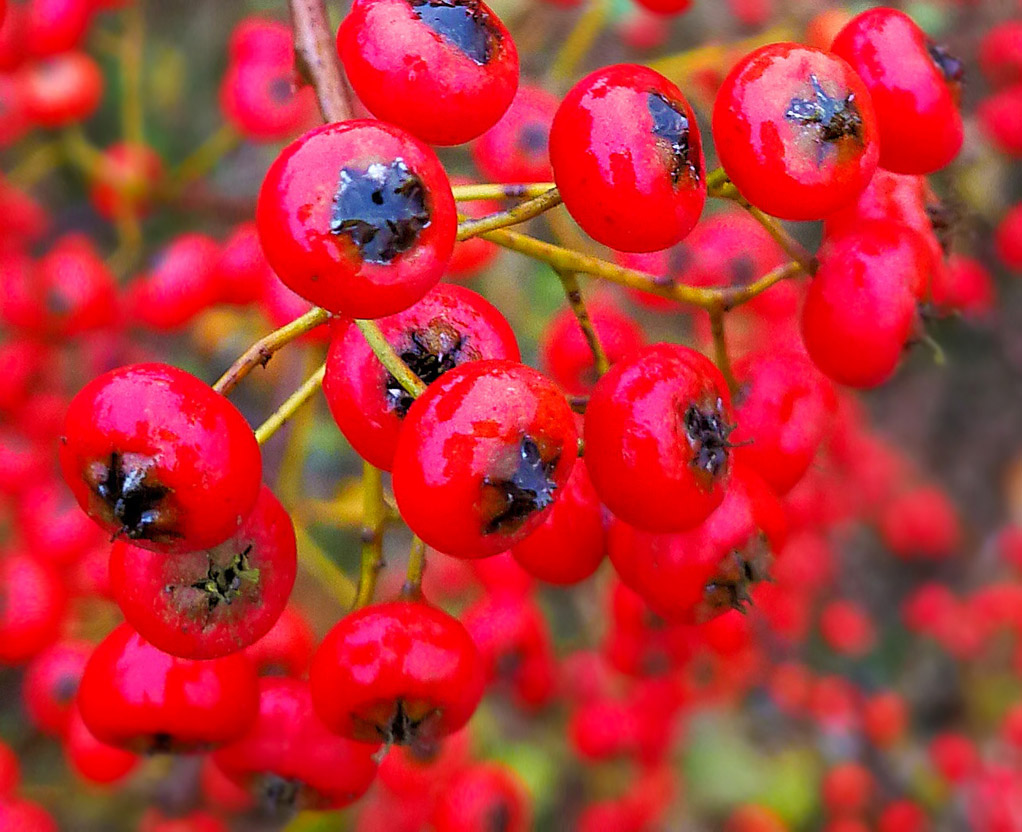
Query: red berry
[51, 682]
[570, 544]
[289, 759]
[965, 288]
[482, 456]
[1000, 119]
[55, 26]
[445, 72]
[795, 131]
[92, 760]
[627, 158]
[32, 606]
[1000, 53]
[10, 771]
[921, 522]
[914, 84]
[1009, 238]
[211, 602]
[259, 98]
[847, 628]
[286, 650]
[885, 719]
[152, 453]
[955, 757]
[23, 816]
[358, 218]
[180, 284]
[125, 179]
[784, 409]
[847, 789]
[241, 273]
[902, 816]
[516, 148]
[483, 797]
[62, 90]
[448, 327]
[261, 39]
[860, 309]
[656, 433]
[136, 697]
[401, 672]
[565, 353]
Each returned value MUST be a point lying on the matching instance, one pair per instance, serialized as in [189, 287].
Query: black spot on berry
[708, 434]
[223, 584]
[280, 90]
[950, 67]
[381, 209]
[673, 132]
[462, 23]
[832, 118]
[132, 497]
[431, 353]
[529, 489]
[534, 138]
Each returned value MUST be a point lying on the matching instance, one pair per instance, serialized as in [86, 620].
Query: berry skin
[795, 131]
[289, 759]
[136, 697]
[570, 544]
[259, 99]
[152, 453]
[444, 71]
[10, 771]
[62, 90]
[56, 26]
[627, 159]
[1000, 119]
[400, 672]
[51, 682]
[847, 789]
[565, 354]
[921, 522]
[914, 84]
[287, 648]
[861, 306]
[125, 179]
[212, 602]
[92, 760]
[179, 286]
[656, 430]
[358, 218]
[449, 327]
[965, 288]
[22, 816]
[1008, 239]
[482, 797]
[783, 408]
[516, 148]
[1000, 53]
[261, 39]
[241, 273]
[32, 606]
[482, 456]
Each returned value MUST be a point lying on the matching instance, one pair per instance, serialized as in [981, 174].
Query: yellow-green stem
[512, 216]
[574, 295]
[132, 52]
[327, 573]
[259, 354]
[390, 359]
[491, 191]
[720, 353]
[579, 41]
[374, 513]
[412, 589]
[290, 407]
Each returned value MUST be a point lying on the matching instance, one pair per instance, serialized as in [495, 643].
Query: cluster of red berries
[146, 588]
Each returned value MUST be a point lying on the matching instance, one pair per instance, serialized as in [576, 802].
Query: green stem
[373, 518]
[390, 359]
[290, 407]
[574, 295]
[512, 216]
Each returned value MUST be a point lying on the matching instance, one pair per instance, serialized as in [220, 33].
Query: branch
[574, 295]
[512, 216]
[389, 358]
[317, 59]
[471, 193]
[373, 519]
[290, 407]
[720, 354]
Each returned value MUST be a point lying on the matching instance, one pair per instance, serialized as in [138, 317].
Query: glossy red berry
[32, 606]
[656, 433]
[401, 672]
[286, 650]
[628, 160]
[450, 326]
[445, 72]
[516, 148]
[570, 544]
[62, 90]
[358, 218]
[914, 84]
[783, 410]
[290, 761]
[795, 131]
[136, 697]
[56, 26]
[481, 457]
[483, 797]
[565, 353]
[211, 602]
[860, 309]
[178, 286]
[260, 99]
[152, 453]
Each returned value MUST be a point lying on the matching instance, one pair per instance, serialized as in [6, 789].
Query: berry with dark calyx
[657, 431]
[444, 70]
[289, 761]
[914, 85]
[400, 672]
[483, 797]
[516, 148]
[481, 457]
[358, 218]
[628, 160]
[153, 454]
[211, 602]
[136, 697]
[795, 130]
[450, 326]
[261, 99]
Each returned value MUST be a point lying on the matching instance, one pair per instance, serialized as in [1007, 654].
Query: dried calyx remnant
[708, 433]
[432, 351]
[131, 496]
[950, 67]
[223, 584]
[673, 131]
[833, 117]
[462, 23]
[509, 501]
[381, 209]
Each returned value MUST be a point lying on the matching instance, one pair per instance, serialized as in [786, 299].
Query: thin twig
[390, 359]
[720, 353]
[512, 216]
[579, 40]
[290, 407]
[412, 588]
[132, 50]
[317, 59]
[489, 190]
[373, 520]
[574, 295]
[259, 354]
